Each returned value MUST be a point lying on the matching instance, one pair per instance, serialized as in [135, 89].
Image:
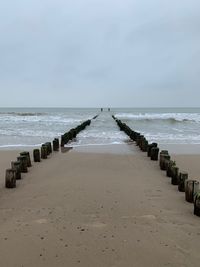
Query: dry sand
[96, 209]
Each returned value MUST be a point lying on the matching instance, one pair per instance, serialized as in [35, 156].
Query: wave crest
[171, 117]
[23, 113]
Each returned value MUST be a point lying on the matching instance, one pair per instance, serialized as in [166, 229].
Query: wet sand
[97, 209]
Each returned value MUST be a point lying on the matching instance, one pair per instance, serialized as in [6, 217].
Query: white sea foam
[179, 117]
[96, 144]
[19, 145]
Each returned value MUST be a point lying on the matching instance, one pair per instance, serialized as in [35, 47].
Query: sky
[93, 53]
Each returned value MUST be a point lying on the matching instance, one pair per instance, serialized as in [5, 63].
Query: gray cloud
[95, 53]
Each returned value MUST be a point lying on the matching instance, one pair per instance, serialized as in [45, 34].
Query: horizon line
[99, 107]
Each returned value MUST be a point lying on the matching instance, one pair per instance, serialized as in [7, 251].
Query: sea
[30, 127]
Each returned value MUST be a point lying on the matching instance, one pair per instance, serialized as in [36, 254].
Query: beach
[99, 133]
[85, 208]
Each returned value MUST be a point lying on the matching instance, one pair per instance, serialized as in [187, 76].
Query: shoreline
[130, 147]
[123, 148]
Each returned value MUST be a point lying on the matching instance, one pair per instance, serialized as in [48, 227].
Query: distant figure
[101, 109]
[109, 109]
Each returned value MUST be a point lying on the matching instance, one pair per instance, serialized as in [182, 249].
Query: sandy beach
[97, 209]
[99, 83]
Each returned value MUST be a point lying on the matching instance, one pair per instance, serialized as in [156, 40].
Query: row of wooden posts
[151, 149]
[23, 162]
[179, 178]
[65, 138]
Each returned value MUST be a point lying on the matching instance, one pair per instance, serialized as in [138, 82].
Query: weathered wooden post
[183, 177]
[174, 178]
[24, 164]
[162, 154]
[197, 204]
[145, 146]
[138, 139]
[10, 178]
[36, 155]
[191, 188]
[44, 151]
[27, 154]
[56, 144]
[149, 150]
[62, 143]
[72, 133]
[49, 148]
[154, 153]
[164, 161]
[57, 141]
[150, 146]
[132, 135]
[170, 164]
[16, 165]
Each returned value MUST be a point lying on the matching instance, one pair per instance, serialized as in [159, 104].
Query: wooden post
[16, 165]
[10, 178]
[140, 143]
[36, 155]
[24, 165]
[191, 188]
[164, 161]
[49, 148]
[162, 153]
[197, 204]
[149, 150]
[56, 144]
[62, 143]
[132, 136]
[150, 146]
[138, 139]
[183, 177]
[154, 153]
[57, 141]
[27, 154]
[72, 133]
[44, 151]
[174, 179]
[145, 145]
[170, 164]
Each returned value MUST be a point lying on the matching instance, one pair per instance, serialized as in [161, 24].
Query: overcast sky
[131, 53]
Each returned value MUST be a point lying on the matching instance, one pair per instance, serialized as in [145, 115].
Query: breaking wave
[23, 113]
[170, 117]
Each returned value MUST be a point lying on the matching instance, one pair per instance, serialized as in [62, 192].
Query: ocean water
[33, 126]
